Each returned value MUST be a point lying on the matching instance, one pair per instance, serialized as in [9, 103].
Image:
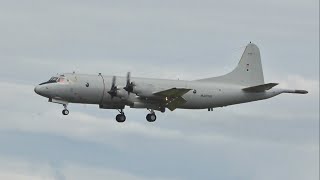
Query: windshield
[54, 80]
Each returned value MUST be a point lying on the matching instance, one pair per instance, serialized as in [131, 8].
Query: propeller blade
[113, 89]
[129, 85]
[128, 78]
[113, 82]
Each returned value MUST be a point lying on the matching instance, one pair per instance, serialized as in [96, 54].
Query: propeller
[113, 90]
[129, 86]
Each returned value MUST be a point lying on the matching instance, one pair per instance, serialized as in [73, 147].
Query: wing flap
[172, 105]
[260, 88]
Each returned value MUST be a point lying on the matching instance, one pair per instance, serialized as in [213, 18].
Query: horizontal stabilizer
[260, 88]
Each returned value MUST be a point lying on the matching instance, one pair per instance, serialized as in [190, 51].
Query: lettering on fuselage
[206, 95]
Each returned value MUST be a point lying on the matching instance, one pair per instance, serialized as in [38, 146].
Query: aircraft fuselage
[93, 89]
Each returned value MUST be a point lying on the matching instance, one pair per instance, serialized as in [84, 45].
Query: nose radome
[37, 90]
[42, 90]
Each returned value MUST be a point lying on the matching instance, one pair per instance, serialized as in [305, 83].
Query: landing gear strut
[121, 117]
[65, 111]
[151, 117]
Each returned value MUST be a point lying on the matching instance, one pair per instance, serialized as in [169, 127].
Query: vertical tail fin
[248, 72]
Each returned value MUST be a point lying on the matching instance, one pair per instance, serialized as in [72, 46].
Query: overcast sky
[273, 139]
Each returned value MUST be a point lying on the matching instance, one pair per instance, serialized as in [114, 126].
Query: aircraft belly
[236, 97]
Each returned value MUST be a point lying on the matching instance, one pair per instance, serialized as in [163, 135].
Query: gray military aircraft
[244, 84]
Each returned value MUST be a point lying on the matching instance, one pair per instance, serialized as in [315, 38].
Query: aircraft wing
[173, 97]
[173, 92]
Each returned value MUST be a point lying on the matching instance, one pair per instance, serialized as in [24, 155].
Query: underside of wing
[173, 97]
[176, 102]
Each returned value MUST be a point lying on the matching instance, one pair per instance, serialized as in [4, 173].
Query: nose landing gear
[65, 111]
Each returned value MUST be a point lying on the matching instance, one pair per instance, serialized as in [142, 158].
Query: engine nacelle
[123, 94]
[140, 105]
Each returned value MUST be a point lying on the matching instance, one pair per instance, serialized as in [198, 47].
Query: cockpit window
[54, 80]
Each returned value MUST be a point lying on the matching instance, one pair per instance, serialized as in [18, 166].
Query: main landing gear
[121, 117]
[151, 117]
[65, 111]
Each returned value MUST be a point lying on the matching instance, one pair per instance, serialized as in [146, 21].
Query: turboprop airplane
[244, 84]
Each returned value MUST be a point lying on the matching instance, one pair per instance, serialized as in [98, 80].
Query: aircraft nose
[39, 90]
[42, 90]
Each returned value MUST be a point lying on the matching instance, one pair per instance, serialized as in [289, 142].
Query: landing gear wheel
[65, 112]
[120, 118]
[151, 117]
